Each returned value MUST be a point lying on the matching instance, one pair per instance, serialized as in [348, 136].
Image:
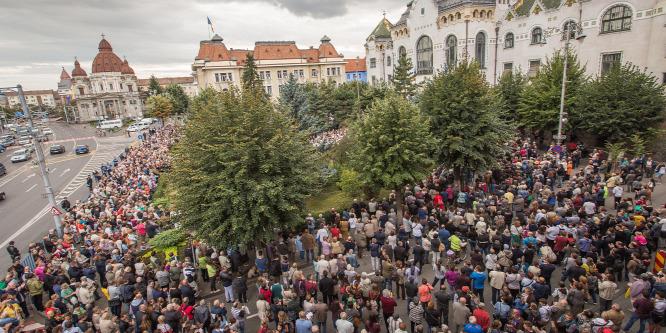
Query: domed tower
[106, 60]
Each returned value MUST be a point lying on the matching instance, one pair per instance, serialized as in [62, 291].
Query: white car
[21, 155]
[24, 140]
[47, 131]
[136, 127]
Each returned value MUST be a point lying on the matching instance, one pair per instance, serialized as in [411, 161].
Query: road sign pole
[40, 158]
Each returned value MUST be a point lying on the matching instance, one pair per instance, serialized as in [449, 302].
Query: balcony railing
[445, 5]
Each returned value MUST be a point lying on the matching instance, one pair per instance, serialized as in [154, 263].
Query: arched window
[481, 49]
[570, 26]
[458, 16]
[451, 55]
[508, 40]
[475, 13]
[424, 55]
[402, 52]
[537, 36]
[617, 18]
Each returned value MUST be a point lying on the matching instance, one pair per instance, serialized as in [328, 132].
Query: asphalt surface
[25, 214]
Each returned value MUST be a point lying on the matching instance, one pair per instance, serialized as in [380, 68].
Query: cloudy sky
[162, 37]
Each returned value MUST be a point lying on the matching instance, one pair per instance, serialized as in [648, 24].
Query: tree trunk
[458, 178]
[398, 205]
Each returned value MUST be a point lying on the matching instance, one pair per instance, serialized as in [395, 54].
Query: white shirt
[618, 191]
[352, 223]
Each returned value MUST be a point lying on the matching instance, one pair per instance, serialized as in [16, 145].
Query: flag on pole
[211, 24]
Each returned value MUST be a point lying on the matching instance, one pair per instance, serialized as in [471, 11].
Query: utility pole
[40, 159]
[564, 86]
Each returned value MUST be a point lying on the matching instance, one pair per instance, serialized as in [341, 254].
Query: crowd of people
[502, 240]
[328, 138]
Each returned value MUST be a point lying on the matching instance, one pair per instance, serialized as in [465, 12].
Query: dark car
[2, 196]
[57, 149]
[42, 138]
[82, 149]
[3, 170]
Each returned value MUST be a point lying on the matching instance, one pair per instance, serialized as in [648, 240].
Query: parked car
[82, 149]
[21, 155]
[7, 141]
[57, 149]
[47, 131]
[24, 140]
[2, 195]
[42, 138]
[3, 170]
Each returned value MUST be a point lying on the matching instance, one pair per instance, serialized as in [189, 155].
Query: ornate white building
[110, 91]
[507, 35]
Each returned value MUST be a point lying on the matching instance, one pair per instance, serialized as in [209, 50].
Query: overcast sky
[162, 37]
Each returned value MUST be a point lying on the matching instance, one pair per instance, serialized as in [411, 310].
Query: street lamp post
[40, 155]
[569, 28]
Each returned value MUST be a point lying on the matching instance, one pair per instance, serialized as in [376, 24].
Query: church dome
[106, 60]
[78, 71]
[126, 69]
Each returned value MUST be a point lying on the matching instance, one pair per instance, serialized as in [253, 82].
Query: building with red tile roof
[219, 67]
[188, 83]
[355, 70]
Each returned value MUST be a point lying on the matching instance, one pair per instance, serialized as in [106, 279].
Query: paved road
[25, 216]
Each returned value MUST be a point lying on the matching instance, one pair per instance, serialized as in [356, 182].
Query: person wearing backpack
[635, 266]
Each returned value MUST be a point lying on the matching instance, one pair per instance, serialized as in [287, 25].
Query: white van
[146, 121]
[111, 124]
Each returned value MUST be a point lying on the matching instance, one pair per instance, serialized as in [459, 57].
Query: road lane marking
[43, 211]
[66, 171]
[33, 186]
[26, 178]
[52, 171]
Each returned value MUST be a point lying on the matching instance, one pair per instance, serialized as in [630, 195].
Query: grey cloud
[313, 8]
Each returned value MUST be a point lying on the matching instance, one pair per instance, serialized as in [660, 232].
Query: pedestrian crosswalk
[107, 150]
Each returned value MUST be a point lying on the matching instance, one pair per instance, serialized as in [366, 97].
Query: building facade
[65, 88]
[355, 70]
[504, 35]
[220, 68]
[188, 83]
[48, 98]
[110, 91]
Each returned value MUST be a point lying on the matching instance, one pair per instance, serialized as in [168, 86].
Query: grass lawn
[333, 197]
[329, 197]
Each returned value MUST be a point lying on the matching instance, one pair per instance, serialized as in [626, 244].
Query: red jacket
[482, 318]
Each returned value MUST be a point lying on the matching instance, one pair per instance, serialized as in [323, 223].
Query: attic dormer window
[422, 10]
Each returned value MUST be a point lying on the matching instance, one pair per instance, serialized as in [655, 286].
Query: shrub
[167, 239]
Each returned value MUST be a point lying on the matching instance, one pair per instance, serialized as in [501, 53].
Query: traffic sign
[140, 137]
[559, 137]
[55, 211]
[557, 149]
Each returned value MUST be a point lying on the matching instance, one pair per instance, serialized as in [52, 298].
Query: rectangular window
[609, 61]
[101, 87]
[279, 74]
[374, 80]
[373, 62]
[223, 77]
[279, 89]
[81, 91]
[338, 68]
[269, 90]
[121, 86]
[130, 87]
[301, 73]
[534, 68]
[314, 73]
[261, 75]
[508, 67]
[328, 71]
[110, 86]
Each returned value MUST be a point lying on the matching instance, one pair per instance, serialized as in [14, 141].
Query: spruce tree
[251, 79]
[403, 80]
[297, 104]
[510, 87]
[154, 86]
[539, 105]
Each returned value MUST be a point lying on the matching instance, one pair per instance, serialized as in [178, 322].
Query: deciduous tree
[177, 97]
[466, 117]
[242, 169]
[621, 103]
[393, 145]
[160, 107]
